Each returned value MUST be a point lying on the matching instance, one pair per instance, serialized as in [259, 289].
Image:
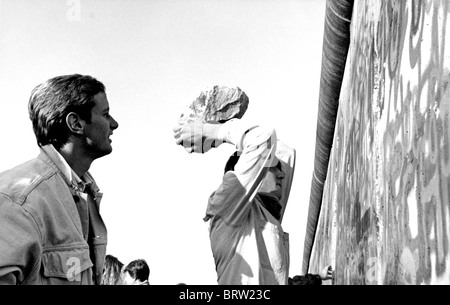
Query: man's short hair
[51, 101]
[138, 269]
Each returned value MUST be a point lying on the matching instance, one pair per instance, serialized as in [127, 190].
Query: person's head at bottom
[136, 272]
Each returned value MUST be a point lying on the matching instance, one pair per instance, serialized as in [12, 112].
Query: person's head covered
[276, 185]
[51, 102]
[136, 272]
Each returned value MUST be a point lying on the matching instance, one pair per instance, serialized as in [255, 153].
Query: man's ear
[75, 123]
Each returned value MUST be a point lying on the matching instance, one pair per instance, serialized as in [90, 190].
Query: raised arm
[196, 136]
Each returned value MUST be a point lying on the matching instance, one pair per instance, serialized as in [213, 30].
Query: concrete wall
[385, 216]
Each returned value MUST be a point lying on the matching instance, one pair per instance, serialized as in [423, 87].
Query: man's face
[101, 128]
[272, 183]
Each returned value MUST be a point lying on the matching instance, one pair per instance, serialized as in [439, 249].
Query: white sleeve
[257, 147]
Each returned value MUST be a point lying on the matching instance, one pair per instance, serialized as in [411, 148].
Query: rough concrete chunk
[219, 104]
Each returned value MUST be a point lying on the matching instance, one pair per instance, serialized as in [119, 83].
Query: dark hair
[232, 161]
[112, 271]
[306, 280]
[138, 269]
[51, 101]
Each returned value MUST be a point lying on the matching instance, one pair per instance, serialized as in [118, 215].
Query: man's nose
[114, 124]
[281, 175]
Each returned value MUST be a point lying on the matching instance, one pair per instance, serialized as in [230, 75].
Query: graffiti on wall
[386, 208]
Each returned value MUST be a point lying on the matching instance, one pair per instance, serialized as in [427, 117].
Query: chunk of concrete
[218, 104]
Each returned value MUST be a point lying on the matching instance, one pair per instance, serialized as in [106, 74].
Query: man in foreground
[51, 230]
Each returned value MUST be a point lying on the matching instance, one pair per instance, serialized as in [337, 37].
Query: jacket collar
[72, 179]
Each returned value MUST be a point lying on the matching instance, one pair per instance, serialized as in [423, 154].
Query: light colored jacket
[248, 244]
[41, 236]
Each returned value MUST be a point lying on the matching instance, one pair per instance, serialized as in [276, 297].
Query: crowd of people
[136, 272]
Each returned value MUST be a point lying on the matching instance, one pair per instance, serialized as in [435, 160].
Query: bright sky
[155, 57]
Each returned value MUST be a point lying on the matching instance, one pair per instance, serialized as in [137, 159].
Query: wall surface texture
[385, 214]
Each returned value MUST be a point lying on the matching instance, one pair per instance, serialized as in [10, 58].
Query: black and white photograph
[224, 142]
